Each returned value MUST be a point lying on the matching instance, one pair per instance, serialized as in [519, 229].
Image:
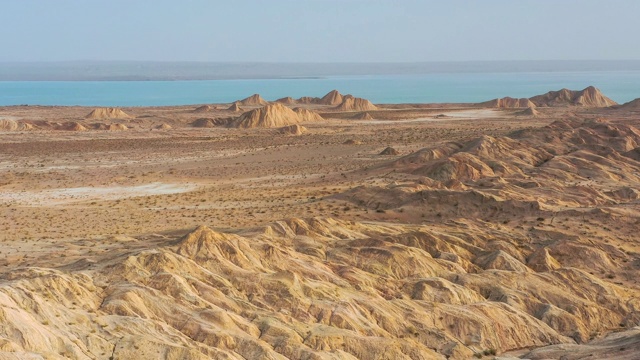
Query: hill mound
[589, 97]
[530, 111]
[308, 100]
[275, 115]
[333, 97]
[203, 108]
[204, 123]
[109, 127]
[508, 103]
[253, 100]
[631, 105]
[295, 130]
[423, 156]
[389, 151]
[210, 122]
[13, 125]
[524, 167]
[350, 103]
[117, 127]
[71, 126]
[164, 126]
[234, 107]
[307, 115]
[362, 116]
[107, 113]
[286, 101]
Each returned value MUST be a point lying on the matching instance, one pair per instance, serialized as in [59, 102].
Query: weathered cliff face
[323, 288]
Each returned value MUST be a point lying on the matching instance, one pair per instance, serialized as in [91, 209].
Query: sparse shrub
[491, 351]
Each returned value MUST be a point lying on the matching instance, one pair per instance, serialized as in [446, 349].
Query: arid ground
[415, 231]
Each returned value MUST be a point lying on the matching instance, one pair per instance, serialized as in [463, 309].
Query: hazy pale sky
[318, 30]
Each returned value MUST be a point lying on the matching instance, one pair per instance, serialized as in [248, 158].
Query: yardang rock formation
[274, 115]
[107, 113]
[351, 103]
[589, 97]
[253, 100]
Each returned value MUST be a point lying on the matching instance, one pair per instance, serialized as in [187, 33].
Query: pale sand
[69, 195]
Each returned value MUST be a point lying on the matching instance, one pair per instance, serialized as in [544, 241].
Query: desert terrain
[322, 228]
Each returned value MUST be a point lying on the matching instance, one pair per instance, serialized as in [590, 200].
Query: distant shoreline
[464, 87]
[182, 71]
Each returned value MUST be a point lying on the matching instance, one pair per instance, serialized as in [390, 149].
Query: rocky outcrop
[294, 130]
[589, 97]
[508, 103]
[253, 100]
[351, 103]
[107, 113]
[274, 116]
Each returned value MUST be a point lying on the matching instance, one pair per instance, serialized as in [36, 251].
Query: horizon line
[312, 62]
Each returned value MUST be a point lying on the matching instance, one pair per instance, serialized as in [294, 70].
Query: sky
[318, 30]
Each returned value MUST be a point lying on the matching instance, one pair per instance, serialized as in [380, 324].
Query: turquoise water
[621, 86]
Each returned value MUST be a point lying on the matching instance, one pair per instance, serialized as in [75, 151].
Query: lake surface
[621, 86]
